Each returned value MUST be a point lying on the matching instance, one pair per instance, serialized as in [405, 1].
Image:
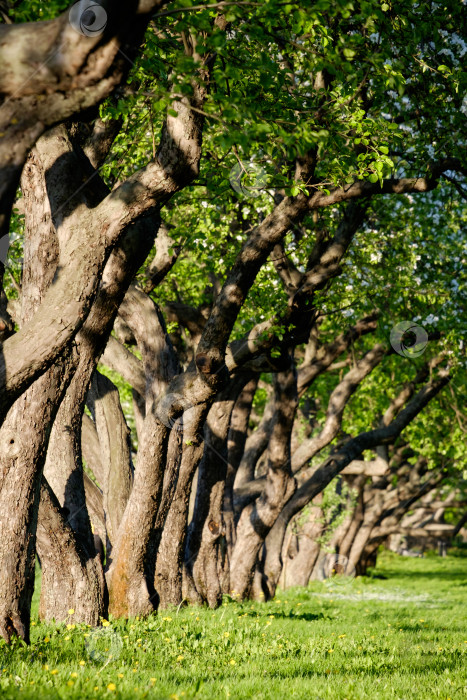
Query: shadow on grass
[291, 615]
[458, 576]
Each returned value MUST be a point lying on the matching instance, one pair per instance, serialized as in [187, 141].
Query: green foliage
[375, 90]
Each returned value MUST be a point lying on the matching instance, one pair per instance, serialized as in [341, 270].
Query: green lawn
[402, 636]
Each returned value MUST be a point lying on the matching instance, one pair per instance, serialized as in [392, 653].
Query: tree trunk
[298, 569]
[170, 555]
[74, 577]
[60, 549]
[114, 439]
[236, 440]
[206, 542]
[257, 519]
[23, 444]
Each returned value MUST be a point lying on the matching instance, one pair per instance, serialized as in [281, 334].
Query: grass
[402, 636]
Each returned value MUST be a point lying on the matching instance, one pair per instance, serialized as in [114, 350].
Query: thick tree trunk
[115, 453]
[25, 432]
[65, 489]
[23, 444]
[236, 441]
[297, 569]
[171, 551]
[72, 576]
[345, 543]
[206, 543]
[257, 519]
[362, 536]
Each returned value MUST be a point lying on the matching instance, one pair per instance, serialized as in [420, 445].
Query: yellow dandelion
[74, 674]
[67, 638]
[82, 663]
[180, 658]
[70, 627]
[421, 620]
[341, 636]
[46, 640]
[153, 680]
[232, 662]
[54, 672]
[71, 611]
[44, 667]
[120, 675]
[111, 686]
[105, 623]
[70, 683]
[330, 651]
[32, 624]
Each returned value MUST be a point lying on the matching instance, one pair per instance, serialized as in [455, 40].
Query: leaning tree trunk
[25, 432]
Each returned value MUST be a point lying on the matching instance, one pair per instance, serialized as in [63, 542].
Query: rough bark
[236, 441]
[50, 72]
[298, 562]
[206, 543]
[318, 478]
[257, 519]
[74, 574]
[23, 444]
[115, 453]
[170, 556]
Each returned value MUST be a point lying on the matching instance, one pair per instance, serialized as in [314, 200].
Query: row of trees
[218, 219]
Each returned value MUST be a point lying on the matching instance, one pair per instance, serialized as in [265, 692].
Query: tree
[234, 264]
